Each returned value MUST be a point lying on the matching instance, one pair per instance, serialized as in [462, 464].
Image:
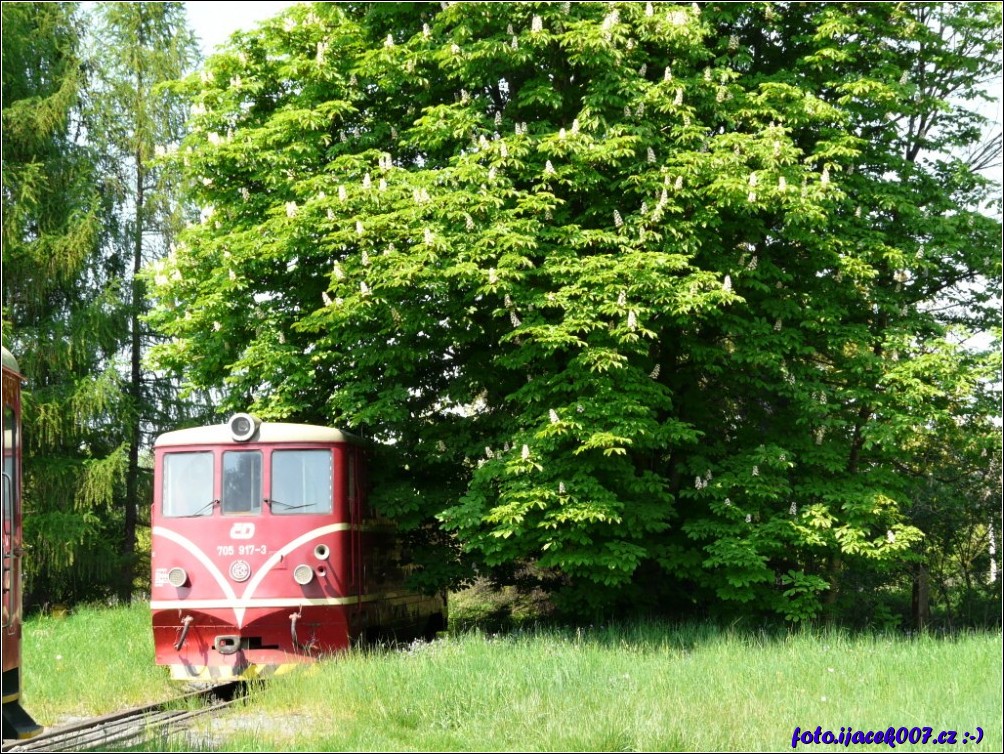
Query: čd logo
[242, 531]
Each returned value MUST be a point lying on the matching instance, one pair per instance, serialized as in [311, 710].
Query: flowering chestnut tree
[661, 298]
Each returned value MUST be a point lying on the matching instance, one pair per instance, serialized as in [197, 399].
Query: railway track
[132, 724]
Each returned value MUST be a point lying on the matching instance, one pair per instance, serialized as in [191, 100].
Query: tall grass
[639, 687]
[93, 661]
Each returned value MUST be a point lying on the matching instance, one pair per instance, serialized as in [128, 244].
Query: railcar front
[255, 547]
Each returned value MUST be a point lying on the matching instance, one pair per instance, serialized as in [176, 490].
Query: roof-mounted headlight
[243, 426]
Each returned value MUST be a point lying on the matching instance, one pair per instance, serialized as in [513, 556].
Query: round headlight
[243, 426]
[303, 574]
[177, 577]
[321, 552]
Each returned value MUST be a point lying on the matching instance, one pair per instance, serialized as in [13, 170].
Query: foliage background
[686, 307]
[664, 302]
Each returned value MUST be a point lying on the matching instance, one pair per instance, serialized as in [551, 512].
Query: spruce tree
[135, 117]
[60, 319]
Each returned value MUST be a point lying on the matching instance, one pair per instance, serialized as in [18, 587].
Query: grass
[93, 661]
[639, 686]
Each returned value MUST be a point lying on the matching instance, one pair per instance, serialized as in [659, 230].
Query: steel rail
[129, 724]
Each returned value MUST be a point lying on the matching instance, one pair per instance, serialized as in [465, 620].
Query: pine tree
[58, 317]
[84, 207]
[139, 48]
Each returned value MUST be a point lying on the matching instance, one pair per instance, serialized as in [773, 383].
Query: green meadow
[644, 685]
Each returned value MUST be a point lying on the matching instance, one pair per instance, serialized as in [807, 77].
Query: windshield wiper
[208, 506]
[272, 501]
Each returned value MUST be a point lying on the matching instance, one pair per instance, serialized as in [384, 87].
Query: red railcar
[16, 722]
[265, 553]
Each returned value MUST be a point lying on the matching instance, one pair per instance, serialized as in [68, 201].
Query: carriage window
[188, 484]
[9, 465]
[242, 481]
[301, 481]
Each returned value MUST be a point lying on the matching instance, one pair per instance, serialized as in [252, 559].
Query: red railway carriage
[16, 722]
[265, 553]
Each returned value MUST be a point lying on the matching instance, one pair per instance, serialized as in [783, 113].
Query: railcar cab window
[242, 482]
[301, 482]
[188, 484]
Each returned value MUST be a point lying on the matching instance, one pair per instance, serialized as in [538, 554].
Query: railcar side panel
[17, 723]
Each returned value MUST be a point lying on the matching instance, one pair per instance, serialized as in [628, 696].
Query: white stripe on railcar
[239, 604]
[245, 604]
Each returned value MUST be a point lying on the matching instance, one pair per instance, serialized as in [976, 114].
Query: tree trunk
[833, 576]
[921, 597]
[135, 391]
